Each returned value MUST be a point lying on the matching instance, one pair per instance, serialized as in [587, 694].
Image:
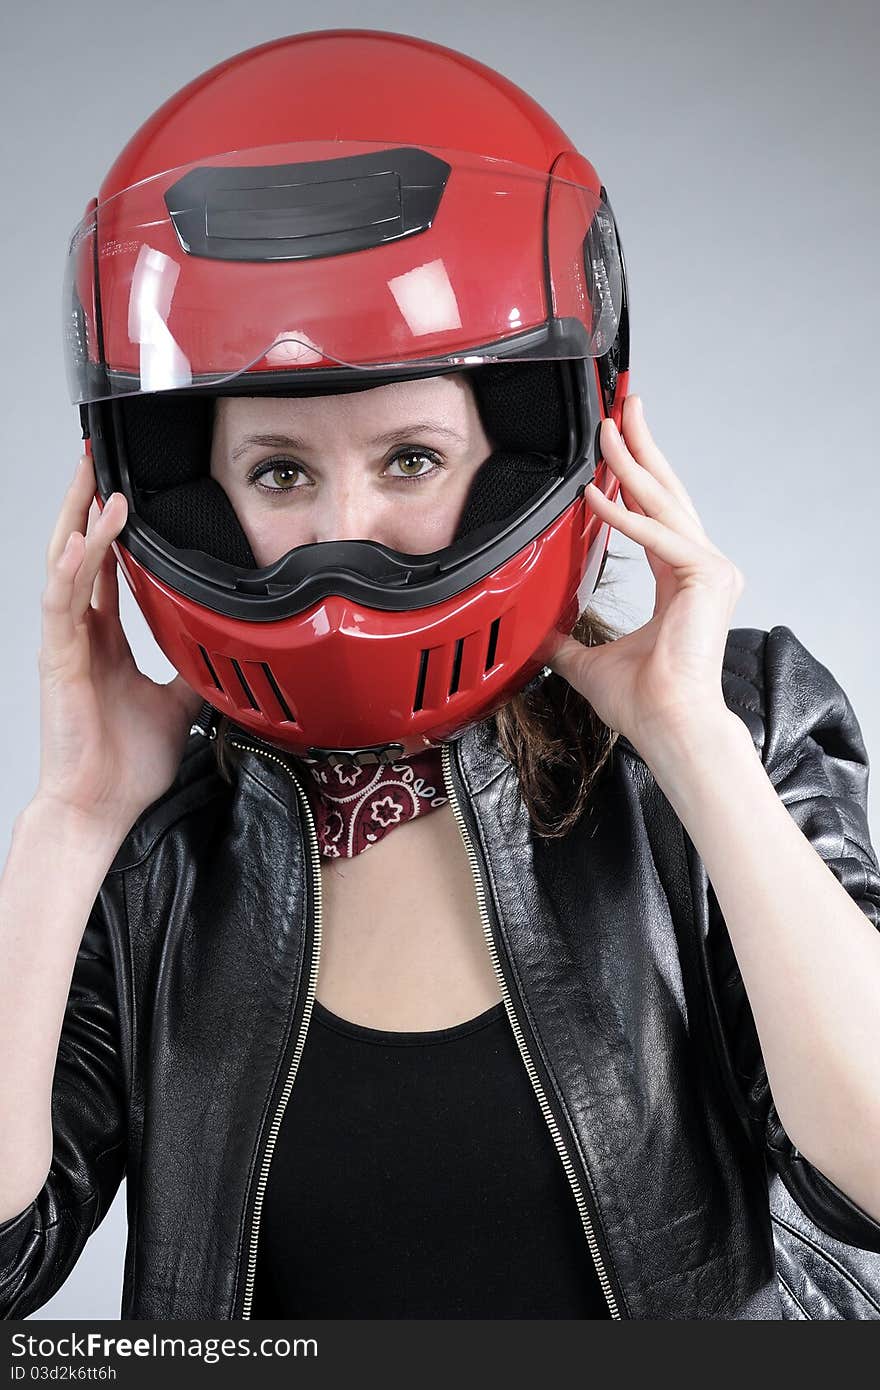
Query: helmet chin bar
[385, 752]
[374, 755]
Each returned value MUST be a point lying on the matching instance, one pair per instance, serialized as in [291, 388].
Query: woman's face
[393, 464]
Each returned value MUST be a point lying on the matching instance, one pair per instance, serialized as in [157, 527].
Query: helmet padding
[165, 439]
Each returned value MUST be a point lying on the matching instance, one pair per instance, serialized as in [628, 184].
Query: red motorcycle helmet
[245, 242]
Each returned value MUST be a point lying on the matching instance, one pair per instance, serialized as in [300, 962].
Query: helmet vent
[257, 690]
[244, 685]
[420, 683]
[493, 644]
[287, 713]
[458, 666]
[211, 672]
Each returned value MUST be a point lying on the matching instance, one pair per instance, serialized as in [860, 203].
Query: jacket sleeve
[40, 1245]
[814, 754]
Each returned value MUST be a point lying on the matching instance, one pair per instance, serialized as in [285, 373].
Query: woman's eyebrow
[292, 441]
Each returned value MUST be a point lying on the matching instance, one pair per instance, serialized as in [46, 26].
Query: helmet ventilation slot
[257, 690]
[244, 685]
[420, 683]
[211, 672]
[458, 666]
[493, 644]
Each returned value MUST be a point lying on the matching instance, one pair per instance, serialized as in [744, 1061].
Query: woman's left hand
[663, 679]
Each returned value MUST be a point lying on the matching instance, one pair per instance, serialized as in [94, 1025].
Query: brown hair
[551, 735]
[557, 742]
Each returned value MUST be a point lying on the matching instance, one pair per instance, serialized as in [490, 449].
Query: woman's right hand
[111, 738]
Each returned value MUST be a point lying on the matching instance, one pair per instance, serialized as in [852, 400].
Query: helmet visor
[289, 263]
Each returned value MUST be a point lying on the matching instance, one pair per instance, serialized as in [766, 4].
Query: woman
[590, 1007]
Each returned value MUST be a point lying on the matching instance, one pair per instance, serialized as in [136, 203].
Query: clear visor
[310, 257]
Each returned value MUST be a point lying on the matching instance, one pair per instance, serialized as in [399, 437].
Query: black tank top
[414, 1176]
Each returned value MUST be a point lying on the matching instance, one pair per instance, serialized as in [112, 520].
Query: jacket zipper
[546, 1111]
[311, 989]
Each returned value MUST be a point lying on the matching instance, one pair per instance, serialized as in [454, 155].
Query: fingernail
[641, 409]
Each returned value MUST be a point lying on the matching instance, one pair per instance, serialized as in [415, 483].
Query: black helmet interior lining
[165, 438]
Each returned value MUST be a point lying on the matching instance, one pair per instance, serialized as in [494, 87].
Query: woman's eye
[421, 457]
[282, 473]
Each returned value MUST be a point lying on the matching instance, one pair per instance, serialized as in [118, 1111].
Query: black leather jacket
[193, 989]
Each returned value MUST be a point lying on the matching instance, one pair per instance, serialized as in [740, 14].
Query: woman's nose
[346, 512]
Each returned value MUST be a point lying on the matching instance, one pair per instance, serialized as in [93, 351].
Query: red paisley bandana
[355, 806]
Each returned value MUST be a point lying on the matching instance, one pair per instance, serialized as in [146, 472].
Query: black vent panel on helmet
[323, 207]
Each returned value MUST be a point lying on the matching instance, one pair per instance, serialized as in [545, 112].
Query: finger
[73, 515]
[57, 623]
[654, 499]
[650, 456]
[108, 637]
[98, 538]
[564, 656]
[102, 592]
[105, 596]
[624, 493]
[108, 632]
[670, 545]
[629, 501]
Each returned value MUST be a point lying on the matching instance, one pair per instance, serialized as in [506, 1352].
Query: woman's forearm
[808, 955]
[55, 866]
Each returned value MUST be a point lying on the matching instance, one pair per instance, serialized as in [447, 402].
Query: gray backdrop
[738, 146]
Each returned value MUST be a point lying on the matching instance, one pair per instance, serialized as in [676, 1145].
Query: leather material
[191, 979]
